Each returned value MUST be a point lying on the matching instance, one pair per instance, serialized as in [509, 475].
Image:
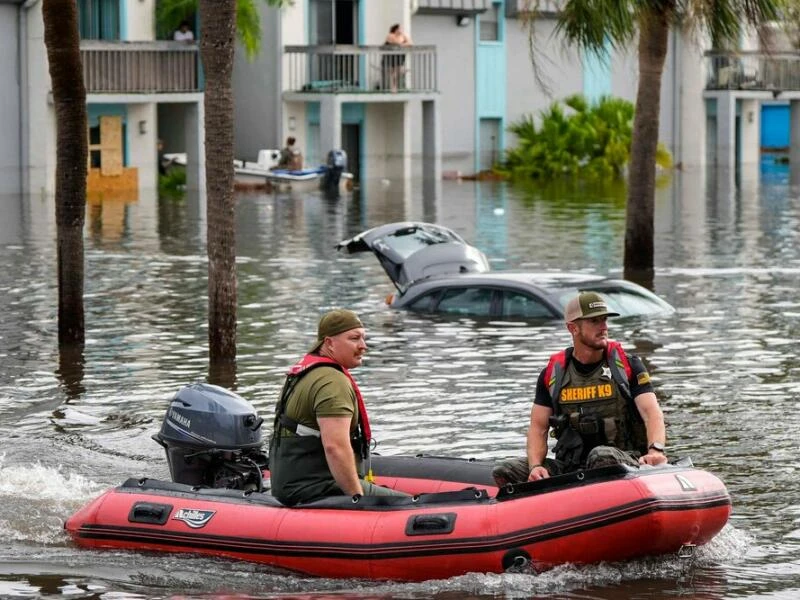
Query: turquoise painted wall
[597, 74]
[490, 80]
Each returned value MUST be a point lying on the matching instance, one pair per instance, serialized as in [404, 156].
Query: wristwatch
[658, 447]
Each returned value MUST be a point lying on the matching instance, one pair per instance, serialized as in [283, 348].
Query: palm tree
[591, 24]
[217, 42]
[62, 40]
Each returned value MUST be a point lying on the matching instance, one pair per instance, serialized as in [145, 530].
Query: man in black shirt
[598, 400]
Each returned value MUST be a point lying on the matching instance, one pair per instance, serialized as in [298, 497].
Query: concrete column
[330, 124]
[431, 141]
[750, 132]
[431, 158]
[794, 135]
[143, 143]
[726, 130]
[689, 142]
[194, 130]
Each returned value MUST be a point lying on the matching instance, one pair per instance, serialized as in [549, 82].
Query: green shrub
[590, 140]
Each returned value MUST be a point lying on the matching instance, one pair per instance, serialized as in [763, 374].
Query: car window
[424, 303]
[476, 302]
[625, 302]
[630, 303]
[519, 305]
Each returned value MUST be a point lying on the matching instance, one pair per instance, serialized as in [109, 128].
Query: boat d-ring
[516, 560]
[580, 475]
[687, 551]
[509, 487]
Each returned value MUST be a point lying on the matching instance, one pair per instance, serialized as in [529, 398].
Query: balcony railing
[753, 71]
[455, 7]
[360, 69]
[139, 67]
[543, 8]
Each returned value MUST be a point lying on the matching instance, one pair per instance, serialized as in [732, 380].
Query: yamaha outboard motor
[336, 165]
[212, 438]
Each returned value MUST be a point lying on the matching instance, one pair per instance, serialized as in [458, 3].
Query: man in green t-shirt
[321, 433]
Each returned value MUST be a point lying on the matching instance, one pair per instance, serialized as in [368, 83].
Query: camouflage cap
[333, 323]
[587, 305]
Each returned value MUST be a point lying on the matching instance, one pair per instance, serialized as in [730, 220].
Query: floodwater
[725, 366]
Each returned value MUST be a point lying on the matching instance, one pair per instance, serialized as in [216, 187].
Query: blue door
[775, 126]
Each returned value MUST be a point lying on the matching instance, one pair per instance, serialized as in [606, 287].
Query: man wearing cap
[321, 431]
[598, 400]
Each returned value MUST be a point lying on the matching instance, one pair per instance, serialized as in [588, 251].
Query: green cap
[333, 323]
[587, 305]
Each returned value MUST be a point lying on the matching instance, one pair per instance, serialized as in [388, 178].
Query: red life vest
[309, 361]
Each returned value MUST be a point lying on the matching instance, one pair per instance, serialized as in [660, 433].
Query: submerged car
[436, 271]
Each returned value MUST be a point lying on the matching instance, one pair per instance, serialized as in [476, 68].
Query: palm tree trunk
[62, 40]
[217, 39]
[639, 229]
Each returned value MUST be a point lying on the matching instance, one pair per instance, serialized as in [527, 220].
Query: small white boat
[262, 173]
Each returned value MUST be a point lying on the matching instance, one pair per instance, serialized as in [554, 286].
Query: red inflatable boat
[608, 514]
[456, 522]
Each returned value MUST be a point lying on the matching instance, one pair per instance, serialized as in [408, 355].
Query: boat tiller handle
[431, 524]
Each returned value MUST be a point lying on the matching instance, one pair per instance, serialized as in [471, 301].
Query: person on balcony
[183, 33]
[393, 65]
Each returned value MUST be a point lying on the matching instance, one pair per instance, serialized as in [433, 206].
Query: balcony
[753, 71]
[360, 69]
[517, 9]
[139, 67]
[453, 7]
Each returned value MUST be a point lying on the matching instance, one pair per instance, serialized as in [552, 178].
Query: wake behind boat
[457, 521]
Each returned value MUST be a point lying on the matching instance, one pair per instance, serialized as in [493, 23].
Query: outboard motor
[336, 165]
[212, 438]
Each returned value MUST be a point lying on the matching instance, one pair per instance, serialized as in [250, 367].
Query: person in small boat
[290, 158]
[597, 399]
[321, 432]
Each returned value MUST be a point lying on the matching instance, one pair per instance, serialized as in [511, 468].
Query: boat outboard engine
[212, 438]
[336, 165]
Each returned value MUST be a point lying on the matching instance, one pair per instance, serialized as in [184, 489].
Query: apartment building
[139, 89]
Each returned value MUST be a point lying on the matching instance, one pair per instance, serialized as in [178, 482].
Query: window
[424, 303]
[489, 24]
[630, 303]
[98, 19]
[476, 302]
[522, 306]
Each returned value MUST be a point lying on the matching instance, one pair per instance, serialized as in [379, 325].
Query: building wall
[560, 70]
[256, 83]
[455, 47]
[9, 100]
[139, 16]
[41, 161]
